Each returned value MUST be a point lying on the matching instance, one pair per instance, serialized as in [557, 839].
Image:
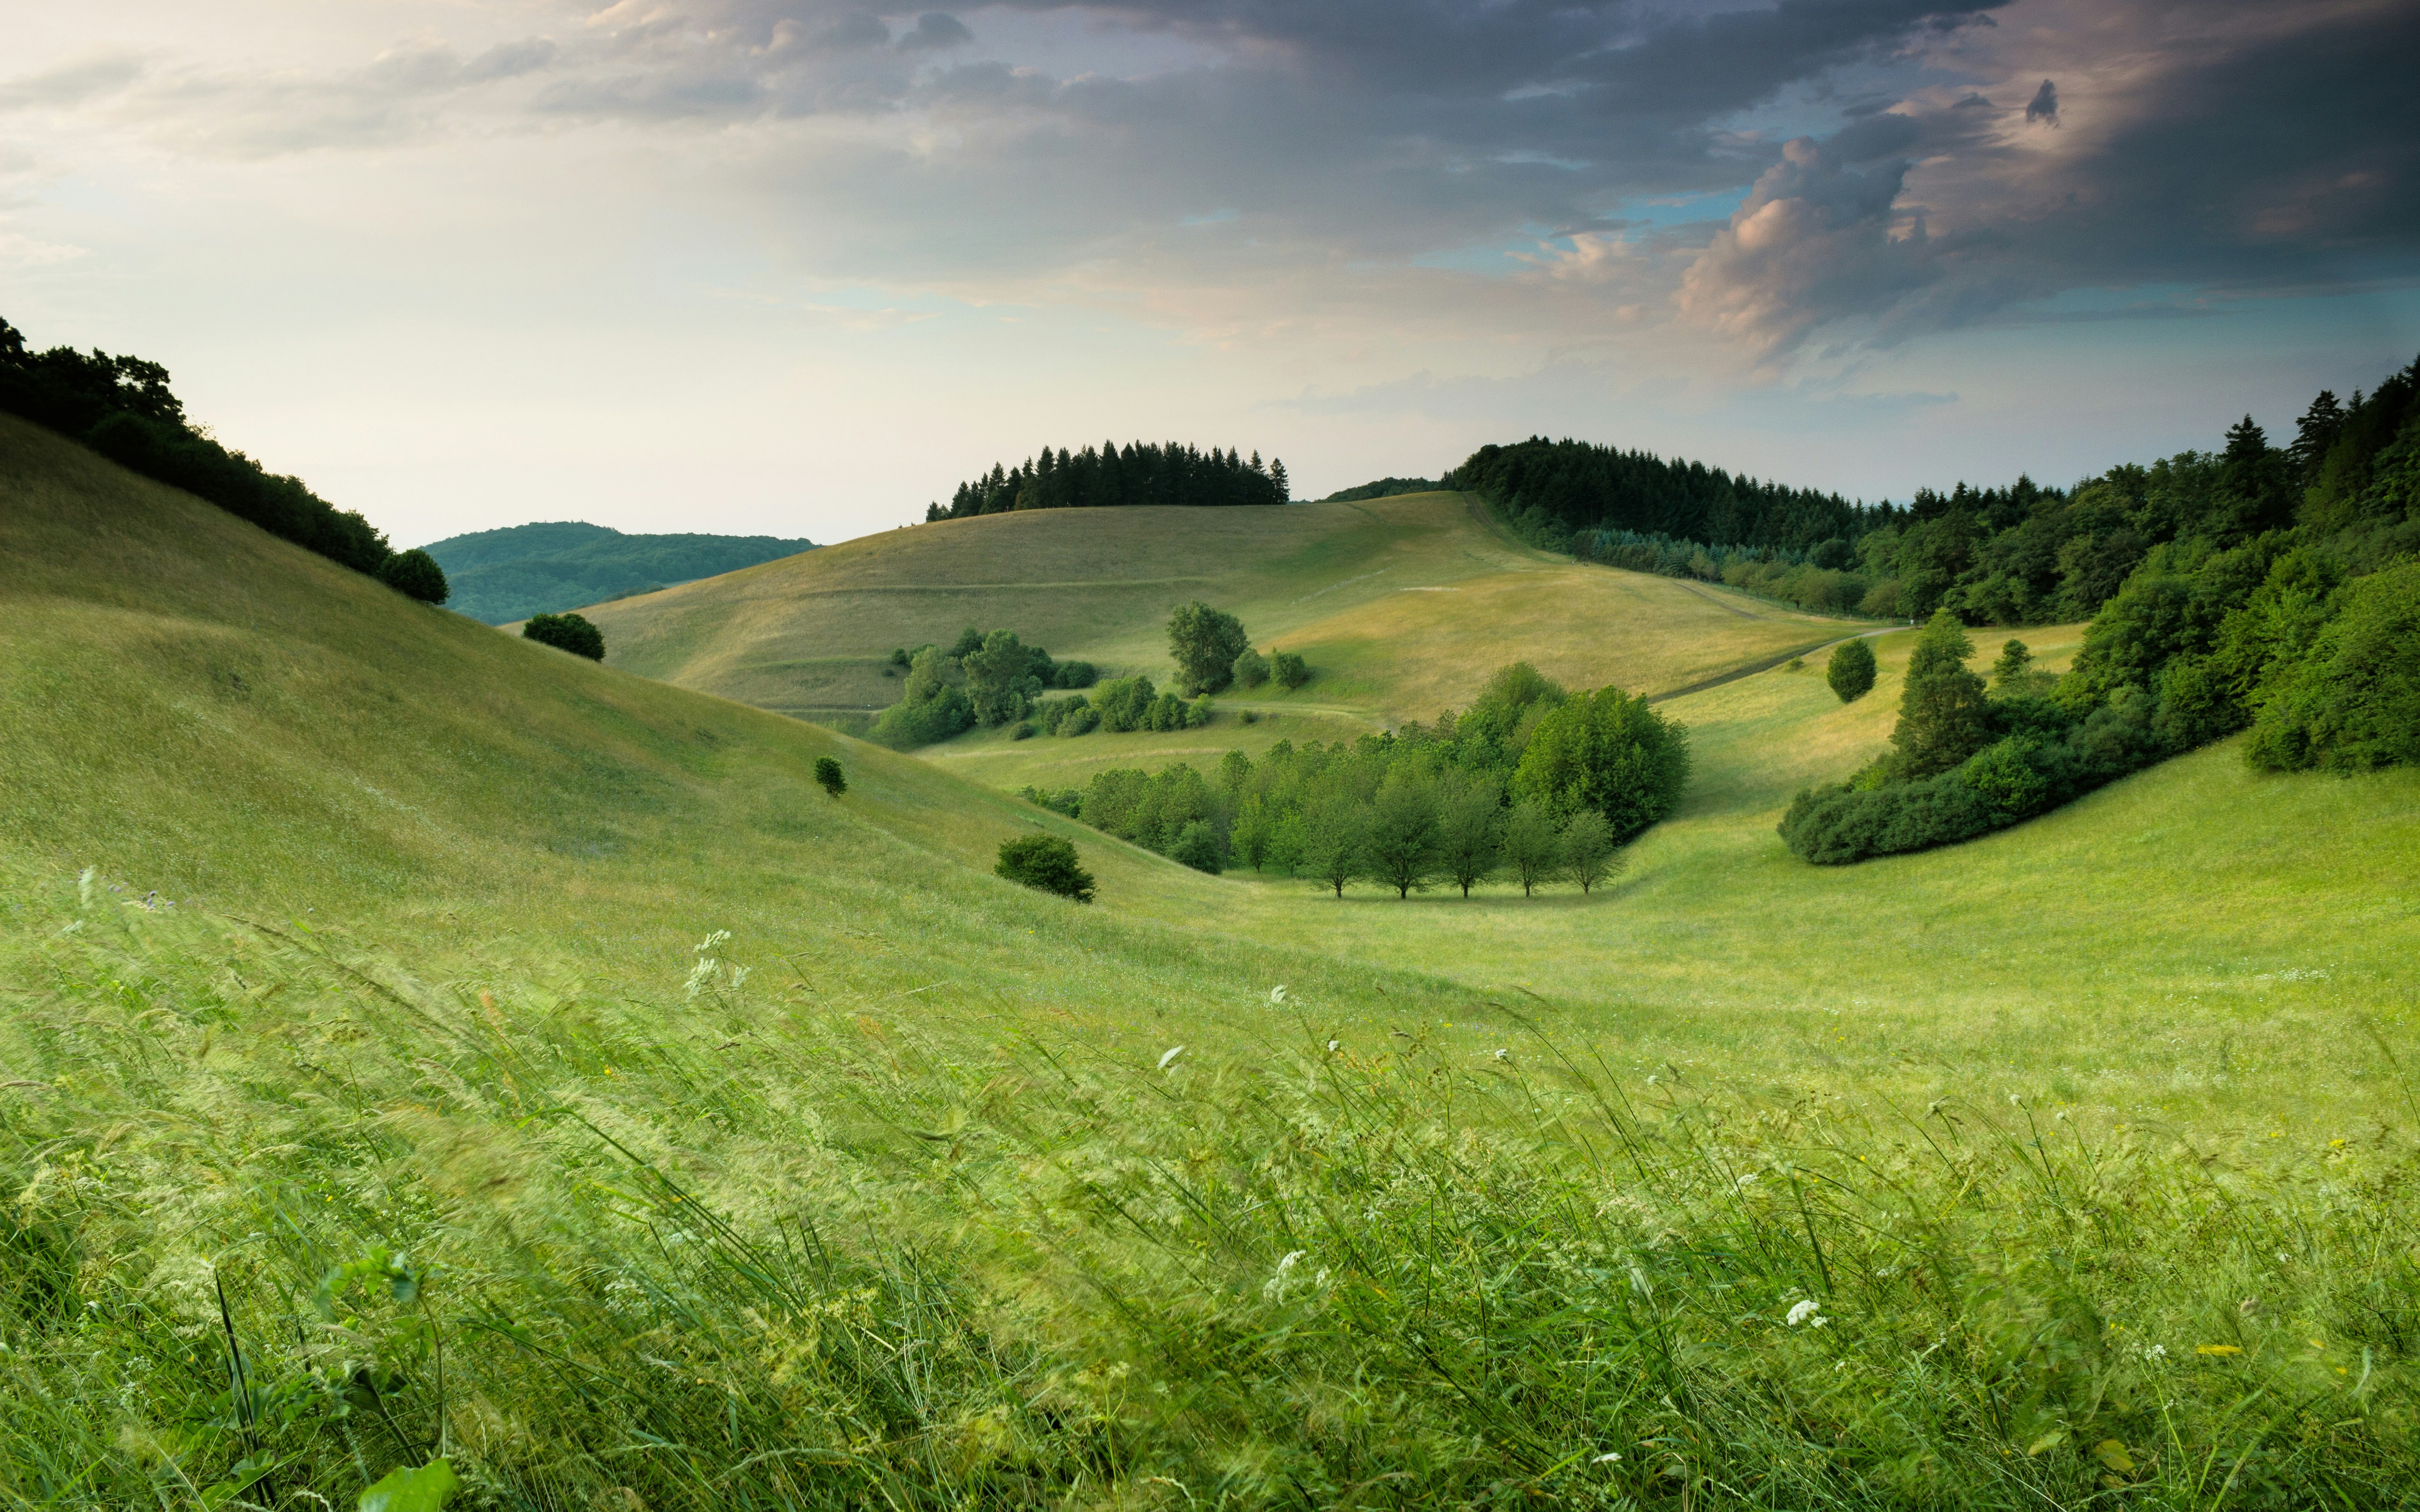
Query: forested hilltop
[2020, 553]
[121, 407]
[2274, 588]
[511, 574]
[1113, 476]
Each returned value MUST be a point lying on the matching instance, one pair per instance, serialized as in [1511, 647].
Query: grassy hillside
[405, 932]
[809, 633]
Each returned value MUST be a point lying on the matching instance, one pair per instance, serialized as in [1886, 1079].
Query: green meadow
[421, 1044]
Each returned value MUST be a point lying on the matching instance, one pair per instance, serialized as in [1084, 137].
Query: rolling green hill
[2087, 1142]
[1339, 582]
[503, 576]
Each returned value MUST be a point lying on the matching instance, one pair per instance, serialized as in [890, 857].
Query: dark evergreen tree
[829, 777]
[1943, 714]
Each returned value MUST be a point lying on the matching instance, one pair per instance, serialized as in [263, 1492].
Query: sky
[799, 266]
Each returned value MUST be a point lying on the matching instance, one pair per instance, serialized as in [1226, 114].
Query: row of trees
[2020, 554]
[985, 678]
[1529, 782]
[123, 408]
[1112, 475]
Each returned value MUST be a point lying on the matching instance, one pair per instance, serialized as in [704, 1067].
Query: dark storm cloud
[2044, 105]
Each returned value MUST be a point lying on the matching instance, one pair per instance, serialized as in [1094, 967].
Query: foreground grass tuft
[710, 1242]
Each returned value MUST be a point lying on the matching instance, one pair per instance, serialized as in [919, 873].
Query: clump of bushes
[566, 632]
[985, 678]
[1290, 671]
[1048, 863]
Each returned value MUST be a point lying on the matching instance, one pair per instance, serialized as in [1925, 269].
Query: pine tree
[1943, 714]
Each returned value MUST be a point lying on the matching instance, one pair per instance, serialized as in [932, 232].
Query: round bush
[1850, 671]
[566, 632]
[1045, 862]
[415, 573]
[829, 774]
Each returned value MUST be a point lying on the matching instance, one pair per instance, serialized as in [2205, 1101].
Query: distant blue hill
[508, 575]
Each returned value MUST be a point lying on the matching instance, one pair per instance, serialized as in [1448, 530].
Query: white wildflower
[1277, 994]
[1170, 1058]
[1608, 1458]
[1806, 1309]
[1504, 1055]
[1274, 1288]
[1334, 1045]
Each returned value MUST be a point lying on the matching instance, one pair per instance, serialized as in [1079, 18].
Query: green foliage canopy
[1204, 643]
[566, 632]
[1046, 863]
[1609, 752]
[1851, 671]
[414, 575]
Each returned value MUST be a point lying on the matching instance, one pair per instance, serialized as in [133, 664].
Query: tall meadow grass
[280, 1212]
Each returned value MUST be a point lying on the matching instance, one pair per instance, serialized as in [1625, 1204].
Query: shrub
[1851, 671]
[1075, 675]
[1252, 669]
[1048, 863]
[1197, 846]
[1020, 731]
[415, 573]
[566, 632]
[906, 726]
[828, 774]
[1290, 669]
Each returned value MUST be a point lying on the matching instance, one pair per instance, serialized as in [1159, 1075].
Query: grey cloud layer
[1907, 166]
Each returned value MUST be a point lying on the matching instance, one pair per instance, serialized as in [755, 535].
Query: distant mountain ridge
[547, 566]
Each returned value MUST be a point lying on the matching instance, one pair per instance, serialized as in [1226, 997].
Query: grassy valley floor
[2072, 1167]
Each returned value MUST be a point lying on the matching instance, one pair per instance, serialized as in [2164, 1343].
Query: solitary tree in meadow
[1850, 671]
[1048, 863]
[1289, 669]
[1204, 643]
[828, 774]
